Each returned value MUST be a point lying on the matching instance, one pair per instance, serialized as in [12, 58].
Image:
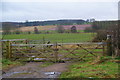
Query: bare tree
[36, 30]
[60, 29]
[7, 27]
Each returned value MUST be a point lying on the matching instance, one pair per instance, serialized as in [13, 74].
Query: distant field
[65, 37]
[31, 28]
[52, 27]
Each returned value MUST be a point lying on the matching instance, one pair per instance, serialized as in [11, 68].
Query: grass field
[107, 69]
[65, 37]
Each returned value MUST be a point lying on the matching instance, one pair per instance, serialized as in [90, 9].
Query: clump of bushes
[6, 61]
[101, 35]
[73, 29]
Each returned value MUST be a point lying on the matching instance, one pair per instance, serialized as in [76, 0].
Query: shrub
[36, 30]
[101, 35]
[29, 32]
[73, 29]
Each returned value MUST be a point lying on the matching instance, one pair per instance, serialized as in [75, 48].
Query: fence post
[103, 45]
[8, 49]
[109, 46]
[26, 42]
[43, 40]
[56, 52]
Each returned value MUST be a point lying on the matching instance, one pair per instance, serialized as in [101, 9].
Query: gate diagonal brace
[86, 50]
[92, 50]
[68, 50]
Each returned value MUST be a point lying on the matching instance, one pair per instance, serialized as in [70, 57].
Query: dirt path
[33, 70]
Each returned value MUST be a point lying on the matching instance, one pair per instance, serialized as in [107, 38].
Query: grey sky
[33, 11]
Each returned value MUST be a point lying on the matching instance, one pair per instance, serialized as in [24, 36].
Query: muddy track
[34, 70]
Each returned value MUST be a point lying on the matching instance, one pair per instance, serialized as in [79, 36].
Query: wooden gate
[53, 52]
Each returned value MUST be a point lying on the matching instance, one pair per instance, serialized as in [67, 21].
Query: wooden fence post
[103, 45]
[26, 42]
[109, 46]
[8, 49]
[56, 52]
[43, 40]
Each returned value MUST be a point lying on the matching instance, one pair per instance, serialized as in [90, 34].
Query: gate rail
[51, 51]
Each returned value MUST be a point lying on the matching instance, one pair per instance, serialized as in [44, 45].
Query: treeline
[101, 25]
[102, 28]
[98, 25]
[52, 22]
[108, 31]
[8, 27]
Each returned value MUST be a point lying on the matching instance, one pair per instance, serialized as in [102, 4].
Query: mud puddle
[52, 74]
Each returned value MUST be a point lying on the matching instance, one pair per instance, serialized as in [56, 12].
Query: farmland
[60, 40]
[64, 37]
[53, 27]
[76, 67]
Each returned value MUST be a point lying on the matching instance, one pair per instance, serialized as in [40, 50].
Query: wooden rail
[13, 40]
[30, 45]
[46, 51]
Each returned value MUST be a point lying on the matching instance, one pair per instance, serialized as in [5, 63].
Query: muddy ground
[34, 70]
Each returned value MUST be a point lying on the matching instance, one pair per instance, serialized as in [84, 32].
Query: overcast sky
[41, 10]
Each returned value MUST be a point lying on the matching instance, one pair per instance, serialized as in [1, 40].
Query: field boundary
[48, 50]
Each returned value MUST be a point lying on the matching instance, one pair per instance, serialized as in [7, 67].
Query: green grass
[80, 30]
[85, 69]
[65, 37]
[6, 63]
[46, 64]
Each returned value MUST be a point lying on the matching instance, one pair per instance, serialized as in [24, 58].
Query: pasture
[61, 38]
